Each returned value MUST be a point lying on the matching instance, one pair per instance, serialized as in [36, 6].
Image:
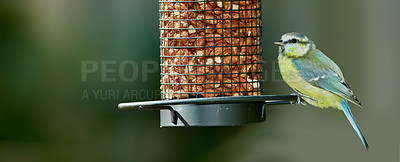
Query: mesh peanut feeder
[210, 48]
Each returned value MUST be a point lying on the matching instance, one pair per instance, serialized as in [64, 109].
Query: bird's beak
[279, 43]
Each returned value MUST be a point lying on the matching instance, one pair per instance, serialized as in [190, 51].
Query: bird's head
[294, 44]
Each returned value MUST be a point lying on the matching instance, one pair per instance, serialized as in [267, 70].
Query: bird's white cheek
[301, 50]
[305, 49]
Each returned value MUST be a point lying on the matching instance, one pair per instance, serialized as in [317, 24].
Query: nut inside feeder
[211, 57]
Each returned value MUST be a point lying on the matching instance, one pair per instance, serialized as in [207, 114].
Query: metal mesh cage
[210, 48]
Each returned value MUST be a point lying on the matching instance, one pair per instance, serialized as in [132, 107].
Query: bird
[314, 77]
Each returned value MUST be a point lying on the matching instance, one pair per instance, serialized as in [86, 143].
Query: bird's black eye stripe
[294, 40]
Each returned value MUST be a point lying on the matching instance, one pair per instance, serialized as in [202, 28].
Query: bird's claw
[299, 100]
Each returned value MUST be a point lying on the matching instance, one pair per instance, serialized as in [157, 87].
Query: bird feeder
[211, 64]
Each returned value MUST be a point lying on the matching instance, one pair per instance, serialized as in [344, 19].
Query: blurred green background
[45, 117]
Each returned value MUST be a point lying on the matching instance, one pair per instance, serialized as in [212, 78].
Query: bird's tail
[350, 117]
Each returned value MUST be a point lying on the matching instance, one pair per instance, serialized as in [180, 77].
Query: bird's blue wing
[320, 71]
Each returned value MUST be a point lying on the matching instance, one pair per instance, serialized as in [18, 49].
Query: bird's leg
[299, 100]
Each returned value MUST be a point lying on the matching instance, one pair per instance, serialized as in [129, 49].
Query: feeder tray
[216, 111]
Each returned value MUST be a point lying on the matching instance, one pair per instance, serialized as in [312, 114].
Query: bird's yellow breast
[322, 98]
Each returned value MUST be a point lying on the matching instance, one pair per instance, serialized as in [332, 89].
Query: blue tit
[315, 77]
